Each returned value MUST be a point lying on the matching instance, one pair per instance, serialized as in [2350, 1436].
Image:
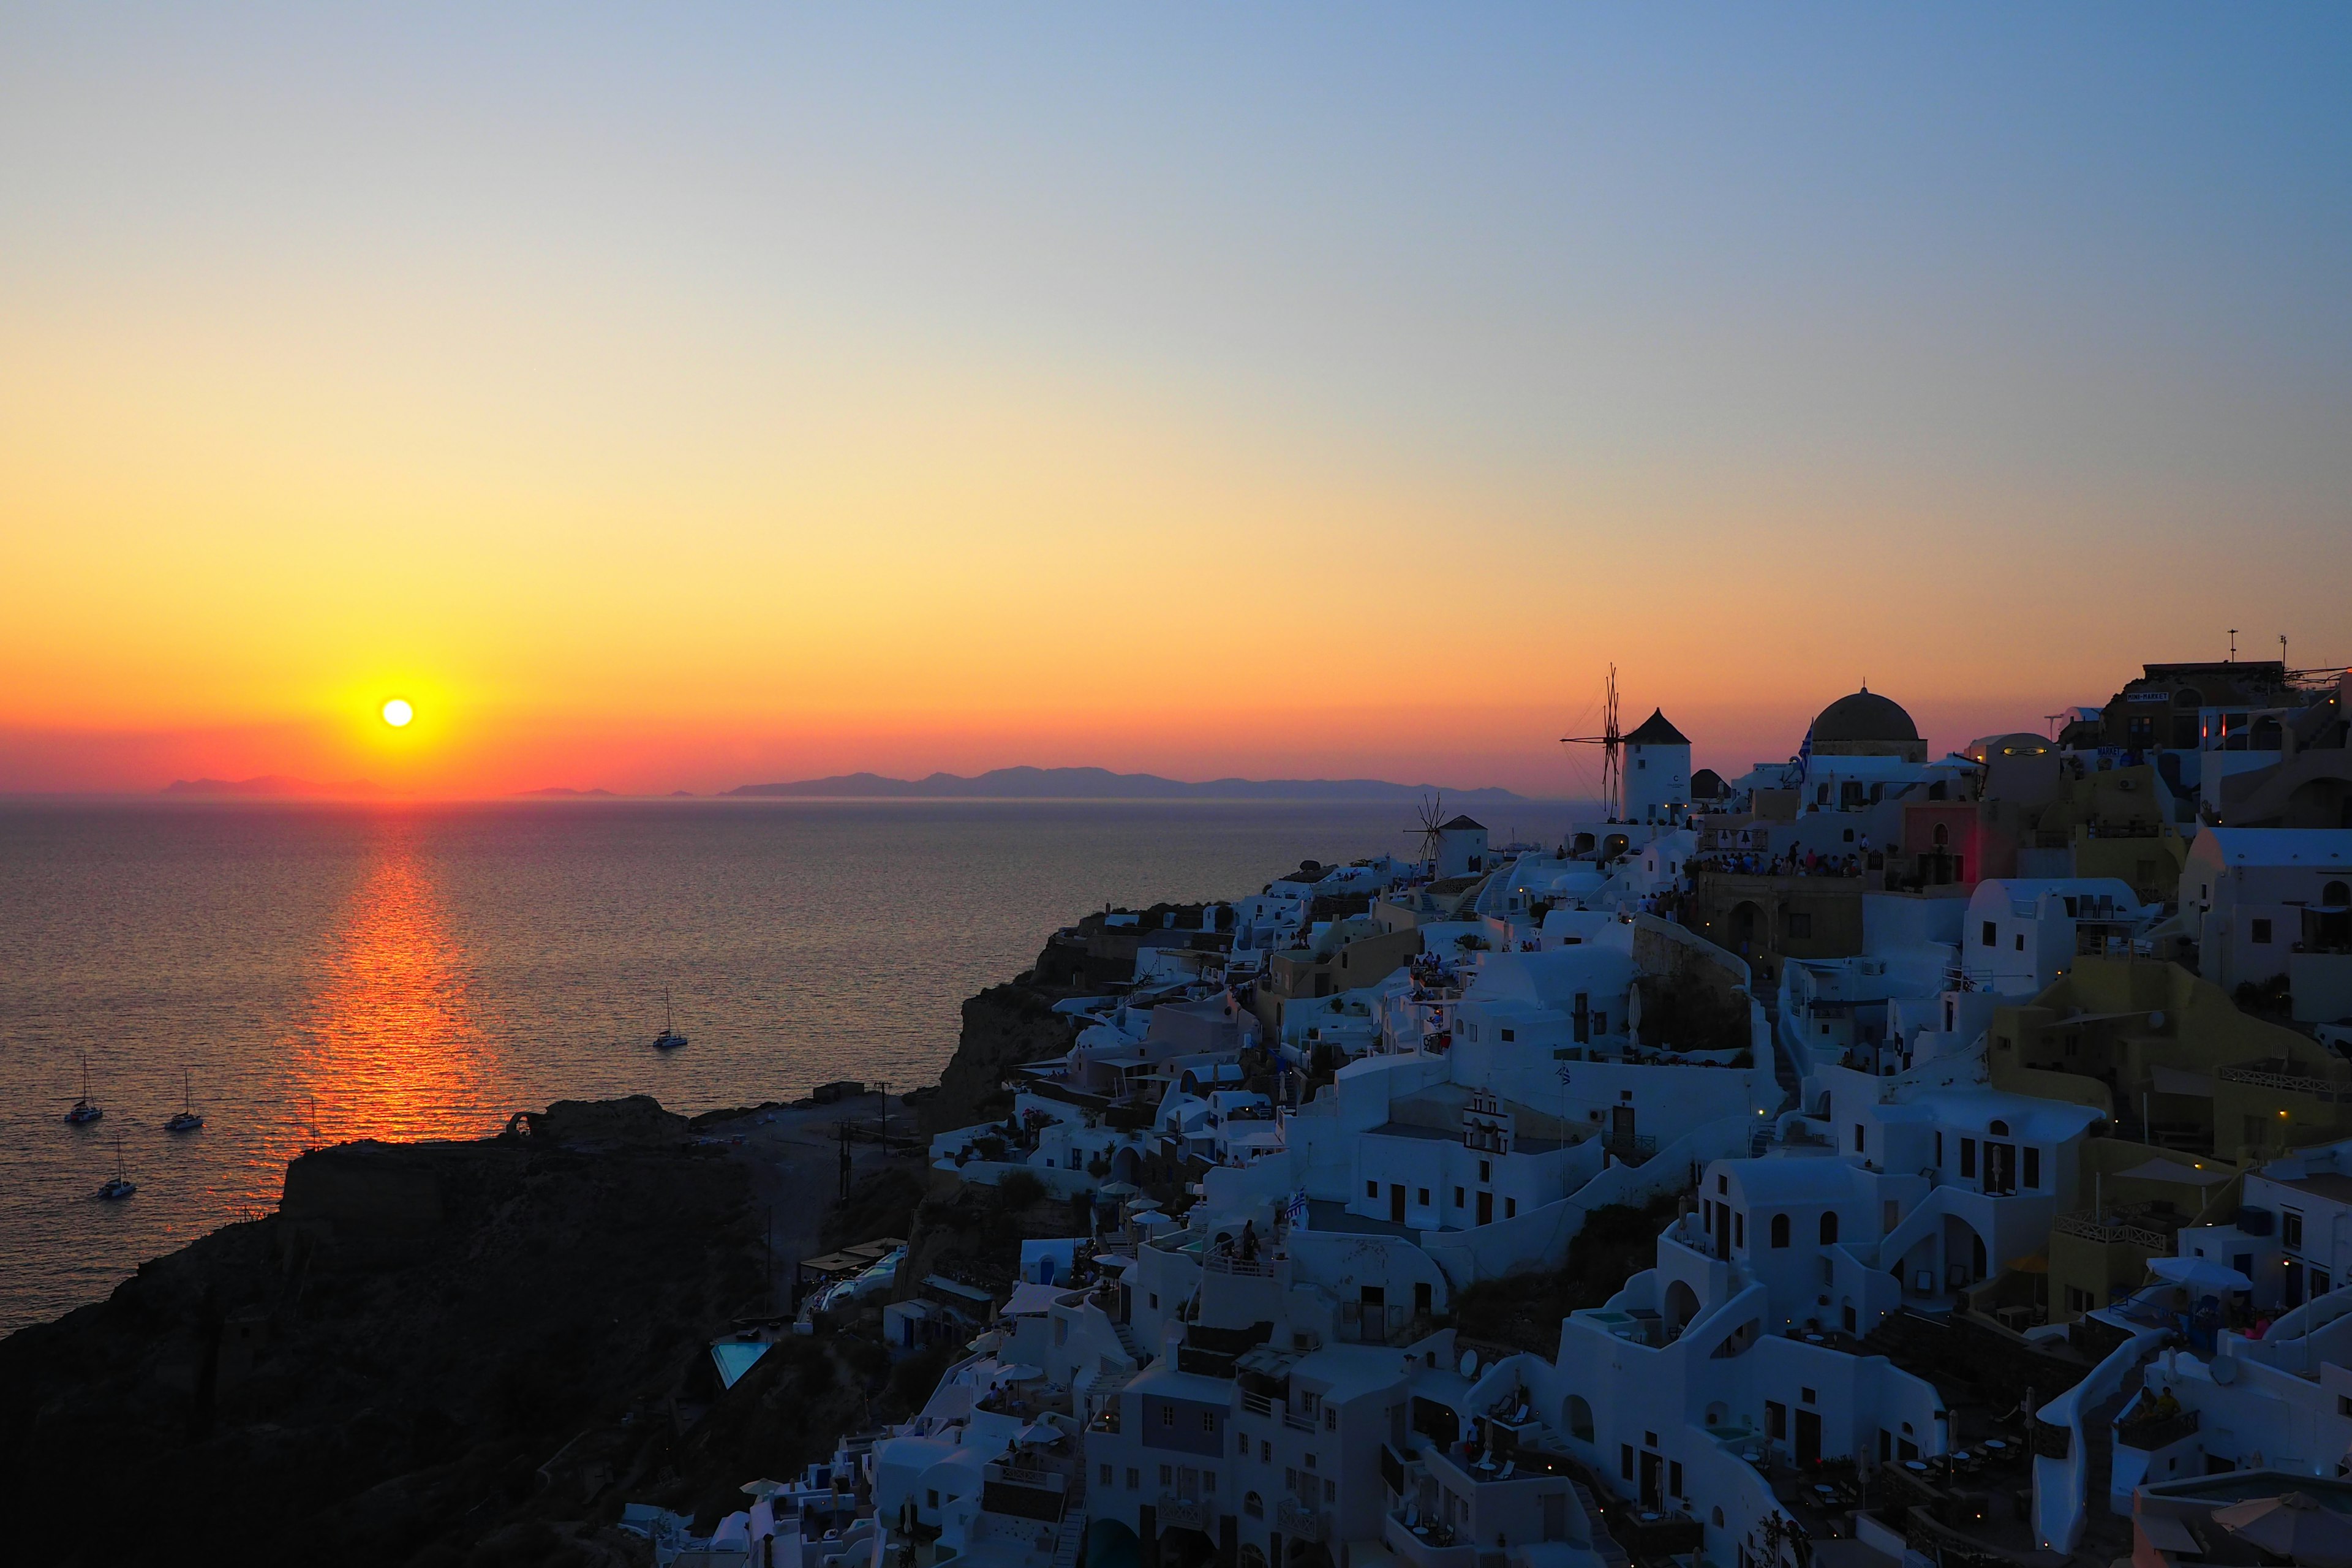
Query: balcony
[1427, 1544]
[2147, 1232]
[1300, 1523]
[2153, 1432]
[1183, 1513]
[1647, 1534]
[2268, 1076]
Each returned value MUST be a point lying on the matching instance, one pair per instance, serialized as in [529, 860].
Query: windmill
[1432, 831]
[1611, 742]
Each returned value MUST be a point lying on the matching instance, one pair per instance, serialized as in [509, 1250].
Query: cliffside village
[1992, 1112]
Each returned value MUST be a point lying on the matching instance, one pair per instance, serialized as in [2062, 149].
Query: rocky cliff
[1003, 1026]
[434, 1351]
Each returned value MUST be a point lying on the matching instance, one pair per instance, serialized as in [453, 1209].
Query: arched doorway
[1746, 922]
[1576, 1415]
[1110, 1545]
[1682, 1305]
[1966, 1259]
[1184, 1548]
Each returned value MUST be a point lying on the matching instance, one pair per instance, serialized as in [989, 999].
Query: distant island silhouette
[557, 792]
[274, 785]
[1101, 783]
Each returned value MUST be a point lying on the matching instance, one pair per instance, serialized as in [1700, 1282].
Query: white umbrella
[2294, 1526]
[2198, 1274]
[1018, 1373]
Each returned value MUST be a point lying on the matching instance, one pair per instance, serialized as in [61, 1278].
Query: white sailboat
[85, 1110]
[670, 1040]
[188, 1119]
[118, 1185]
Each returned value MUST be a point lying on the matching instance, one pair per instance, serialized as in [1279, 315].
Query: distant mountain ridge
[1101, 784]
[274, 785]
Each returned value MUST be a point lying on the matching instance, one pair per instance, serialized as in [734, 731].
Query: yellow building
[2169, 1057]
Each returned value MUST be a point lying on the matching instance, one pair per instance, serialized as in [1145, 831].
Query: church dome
[1864, 718]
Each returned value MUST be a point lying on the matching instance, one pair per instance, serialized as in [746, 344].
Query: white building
[2252, 895]
[2019, 935]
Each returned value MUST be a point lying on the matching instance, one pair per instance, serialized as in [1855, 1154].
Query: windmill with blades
[1612, 742]
[1450, 846]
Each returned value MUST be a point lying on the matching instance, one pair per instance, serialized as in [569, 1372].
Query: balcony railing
[2111, 1233]
[1301, 1522]
[2259, 1077]
[2151, 1433]
[1183, 1514]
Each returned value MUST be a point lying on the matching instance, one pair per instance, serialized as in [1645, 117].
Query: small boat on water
[670, 1040]
[188, 1119]
[85, 1110]
[118, 1185]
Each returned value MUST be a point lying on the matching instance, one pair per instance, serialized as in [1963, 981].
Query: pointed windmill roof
[1461, 822]
[1657, 731]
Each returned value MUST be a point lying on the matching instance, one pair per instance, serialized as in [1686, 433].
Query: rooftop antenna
[1611, 742]
[2282, 648]
[2233, 645]
[1432, 828]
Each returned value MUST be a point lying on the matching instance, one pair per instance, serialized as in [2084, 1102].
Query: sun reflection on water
[391, 1048]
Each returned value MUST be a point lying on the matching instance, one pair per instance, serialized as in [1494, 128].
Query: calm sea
[416, 972]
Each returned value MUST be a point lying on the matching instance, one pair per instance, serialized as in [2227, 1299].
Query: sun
[397, 712]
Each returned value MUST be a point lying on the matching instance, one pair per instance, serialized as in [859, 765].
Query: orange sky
[751, 408]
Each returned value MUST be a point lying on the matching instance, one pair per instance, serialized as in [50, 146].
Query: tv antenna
[1612, 742]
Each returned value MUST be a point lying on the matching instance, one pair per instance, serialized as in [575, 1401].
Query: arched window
[1943, 836]
[2335, 895]
[1828, 1226]
[1253, 1506]
[1780, 1230]
[1718, 1519]
[1579, 1418]
[1998, 1129]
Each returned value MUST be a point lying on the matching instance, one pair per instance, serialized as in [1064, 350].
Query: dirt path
[794, 1157]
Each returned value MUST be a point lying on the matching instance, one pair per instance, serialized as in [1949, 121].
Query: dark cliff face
[1003, 1026]
[433, 1344]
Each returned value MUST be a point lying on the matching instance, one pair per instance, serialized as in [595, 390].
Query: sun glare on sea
[397, 712]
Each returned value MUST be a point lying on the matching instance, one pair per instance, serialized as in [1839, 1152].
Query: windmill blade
[1432, 831]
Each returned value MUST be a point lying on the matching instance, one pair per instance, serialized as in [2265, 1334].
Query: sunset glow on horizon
[673, 402]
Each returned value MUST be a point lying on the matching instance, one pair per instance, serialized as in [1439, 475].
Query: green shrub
[1019, 1190]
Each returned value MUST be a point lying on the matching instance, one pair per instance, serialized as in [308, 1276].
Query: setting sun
[397, 712]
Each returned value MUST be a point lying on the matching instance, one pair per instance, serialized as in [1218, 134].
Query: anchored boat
[85, 1110]
[118, 1185]
[187, 1120]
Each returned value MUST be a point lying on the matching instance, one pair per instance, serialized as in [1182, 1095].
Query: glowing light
[397, 712]
[391, 1047]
